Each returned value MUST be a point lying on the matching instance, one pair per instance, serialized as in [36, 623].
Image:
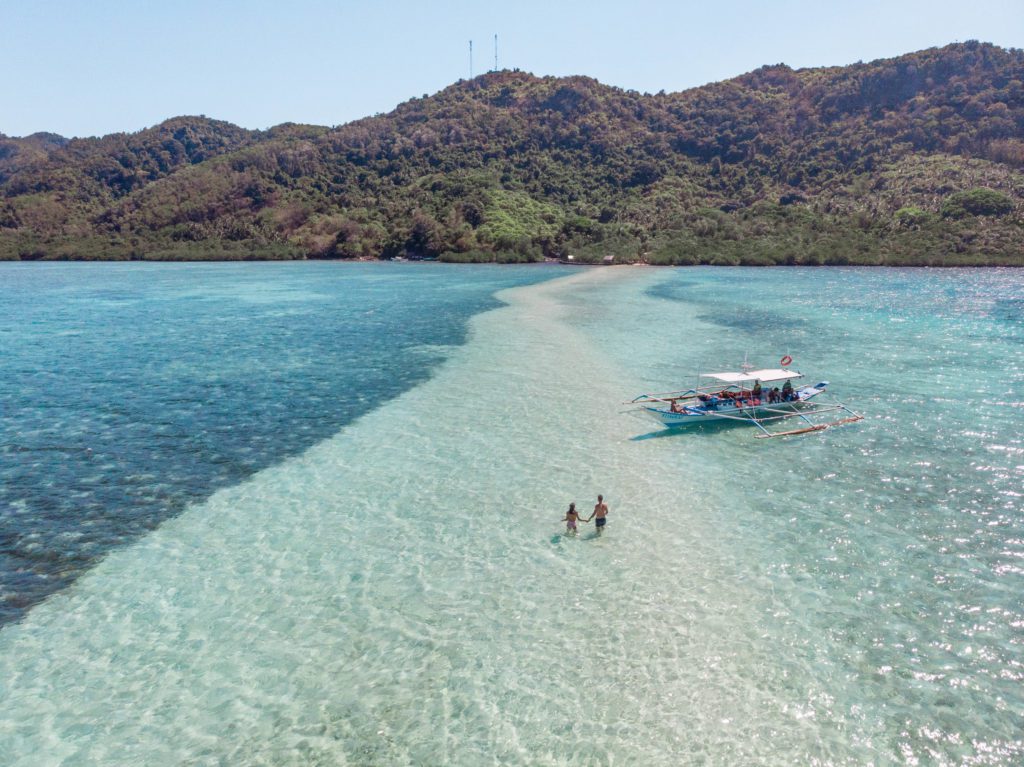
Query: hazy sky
[90, 67]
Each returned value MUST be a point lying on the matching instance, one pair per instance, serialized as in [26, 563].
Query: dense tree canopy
[913, 160]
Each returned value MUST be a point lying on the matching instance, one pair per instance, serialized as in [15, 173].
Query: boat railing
[684, 394]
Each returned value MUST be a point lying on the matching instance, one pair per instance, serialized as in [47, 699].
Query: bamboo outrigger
[741, 397]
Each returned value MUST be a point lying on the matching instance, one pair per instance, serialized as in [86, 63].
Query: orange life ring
[785, 360]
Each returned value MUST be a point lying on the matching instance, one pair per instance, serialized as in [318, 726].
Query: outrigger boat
[744, 397]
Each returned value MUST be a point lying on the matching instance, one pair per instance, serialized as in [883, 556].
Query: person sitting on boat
[756, 391]
[773, 395]
[674, 406]
[787, 391]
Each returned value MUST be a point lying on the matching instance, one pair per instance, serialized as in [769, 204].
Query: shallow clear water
[400, 593]
[894, 548]
[132, 390]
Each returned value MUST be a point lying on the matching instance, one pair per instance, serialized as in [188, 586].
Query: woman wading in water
[571, 518]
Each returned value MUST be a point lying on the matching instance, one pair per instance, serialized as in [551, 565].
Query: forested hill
[912, 160]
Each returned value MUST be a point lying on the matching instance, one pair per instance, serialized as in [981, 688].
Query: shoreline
[538, 264]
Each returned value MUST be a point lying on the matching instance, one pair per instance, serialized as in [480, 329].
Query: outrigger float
[744, 397]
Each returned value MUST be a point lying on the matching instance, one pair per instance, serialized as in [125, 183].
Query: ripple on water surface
[132, 390]
[398, 594]
[898, 541]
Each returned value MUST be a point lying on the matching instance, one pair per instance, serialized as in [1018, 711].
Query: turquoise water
[132, 390]
[400, 592]
[895, 545]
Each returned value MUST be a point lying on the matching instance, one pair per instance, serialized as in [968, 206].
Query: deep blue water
[132, 390]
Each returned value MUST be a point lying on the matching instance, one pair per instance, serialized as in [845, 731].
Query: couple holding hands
[572, 517]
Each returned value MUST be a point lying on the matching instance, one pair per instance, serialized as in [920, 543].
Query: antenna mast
[470, 59]
[495, 52]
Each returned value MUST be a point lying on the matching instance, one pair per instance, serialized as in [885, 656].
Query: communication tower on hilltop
[471, 56]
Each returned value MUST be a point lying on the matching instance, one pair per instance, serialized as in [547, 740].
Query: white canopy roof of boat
[766, 375]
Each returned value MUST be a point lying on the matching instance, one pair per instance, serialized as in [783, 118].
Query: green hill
[912, 160]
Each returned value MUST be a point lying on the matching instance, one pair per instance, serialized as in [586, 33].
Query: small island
[910, 161]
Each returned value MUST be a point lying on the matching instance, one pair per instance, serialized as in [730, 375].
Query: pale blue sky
[90, 67]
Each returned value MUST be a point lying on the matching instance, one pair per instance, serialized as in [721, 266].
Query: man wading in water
[601, 512]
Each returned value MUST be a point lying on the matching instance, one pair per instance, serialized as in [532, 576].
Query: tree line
[912, 160]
